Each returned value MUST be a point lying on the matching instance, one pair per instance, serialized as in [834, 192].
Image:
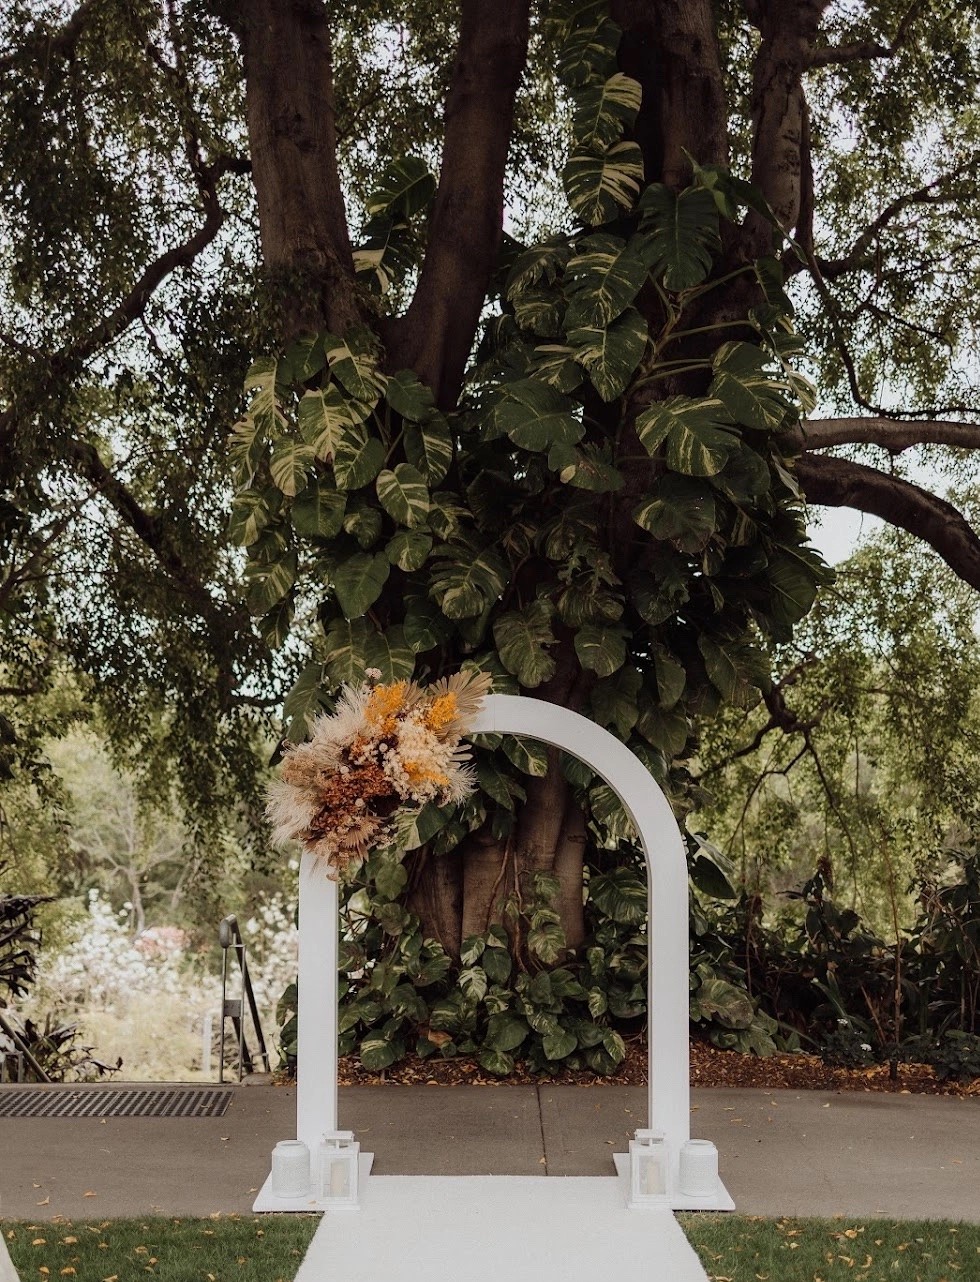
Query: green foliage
[875, 763]
[422, 532]
[517, 992]
[826, 978]
[58, 1050]
[19, 942]
[953, 1055]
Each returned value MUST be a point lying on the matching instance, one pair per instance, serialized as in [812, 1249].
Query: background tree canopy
[541, 312]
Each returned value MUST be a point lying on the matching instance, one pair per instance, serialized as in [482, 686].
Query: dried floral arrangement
[386, 750]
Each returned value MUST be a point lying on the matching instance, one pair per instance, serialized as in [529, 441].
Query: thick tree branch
[892, 435]
[306, 247]
[866, 50]
[42, 43]
[436, 334]
[778, 112]
[837, 482]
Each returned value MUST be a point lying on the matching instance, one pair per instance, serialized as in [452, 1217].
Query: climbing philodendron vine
[613, 493]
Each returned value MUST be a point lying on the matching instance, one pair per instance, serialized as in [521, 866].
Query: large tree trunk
[672, 49]
[464, 893]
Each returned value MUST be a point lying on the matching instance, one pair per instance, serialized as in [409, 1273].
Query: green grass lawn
[738, 1248]
[734, 1248]
[223, 1249]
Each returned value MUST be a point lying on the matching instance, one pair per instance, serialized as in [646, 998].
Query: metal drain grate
[114, 1102]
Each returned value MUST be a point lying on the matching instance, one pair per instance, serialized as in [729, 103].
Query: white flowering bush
[272, 943]
[101, 965]
[149, 1000]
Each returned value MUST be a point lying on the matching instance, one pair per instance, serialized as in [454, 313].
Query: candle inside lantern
[338, 1177]
[653, 1174]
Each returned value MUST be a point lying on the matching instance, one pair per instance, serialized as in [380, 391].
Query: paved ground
[782, 1152]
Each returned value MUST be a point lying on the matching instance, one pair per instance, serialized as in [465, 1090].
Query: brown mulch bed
[709, 1067]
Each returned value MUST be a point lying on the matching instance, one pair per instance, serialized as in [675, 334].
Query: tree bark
[293, 143]
[436, 335]
[671, 48]
[779, 114]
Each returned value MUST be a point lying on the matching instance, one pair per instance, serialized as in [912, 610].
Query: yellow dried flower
[441, 712]
[385, 702]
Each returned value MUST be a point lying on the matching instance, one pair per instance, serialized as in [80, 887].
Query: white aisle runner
[472, 1228]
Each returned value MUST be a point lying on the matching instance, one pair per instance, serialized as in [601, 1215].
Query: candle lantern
[337, 1163]
[649, 1170]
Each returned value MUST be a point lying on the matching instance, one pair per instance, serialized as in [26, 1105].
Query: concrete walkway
[782, 1152]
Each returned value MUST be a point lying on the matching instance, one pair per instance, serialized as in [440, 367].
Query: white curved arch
[667, 899]
[668, 1089]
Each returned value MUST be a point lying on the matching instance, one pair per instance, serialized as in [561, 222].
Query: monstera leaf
[323, 416]
[611, 355]
[404, 495]
[535, 416]
[603, 278]
[601, 184]
[359, 458]
[542, 263]
[589, 51]
[683, 513]
[698, 436]
[353, 362]
[603, 110]
[405, 188]
[290, 464]
[260, 388]
[682, 231]
[522, 637]
[346, 645]
[318, 511]
[467, 581]
[749, 394]
[358, 582]
[251, 512]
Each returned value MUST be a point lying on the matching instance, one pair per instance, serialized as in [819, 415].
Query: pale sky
[837, 531]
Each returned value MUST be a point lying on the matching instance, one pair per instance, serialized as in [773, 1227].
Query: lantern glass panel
[337, 1169]
[649, 1169]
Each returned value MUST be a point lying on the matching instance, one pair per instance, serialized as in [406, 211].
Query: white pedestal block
[268, 1201]
[722, 1200]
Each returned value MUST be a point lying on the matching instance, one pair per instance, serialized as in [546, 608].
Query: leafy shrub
[58, 1049]
[825, 980]
[19, 941]
[953, 1054]
[847, 1046]
[516, 991]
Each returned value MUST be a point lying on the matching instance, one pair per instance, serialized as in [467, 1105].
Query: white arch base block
[469, 1228]
[423, 1186]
